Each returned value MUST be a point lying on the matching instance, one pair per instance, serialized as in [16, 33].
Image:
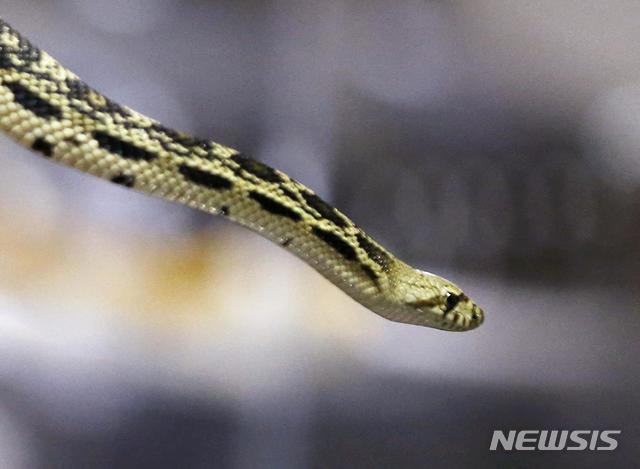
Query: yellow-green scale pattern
[47, 108]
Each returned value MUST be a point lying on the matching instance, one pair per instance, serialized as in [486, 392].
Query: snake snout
[476, 317]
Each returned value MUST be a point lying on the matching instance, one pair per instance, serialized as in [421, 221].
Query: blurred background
[495, 143]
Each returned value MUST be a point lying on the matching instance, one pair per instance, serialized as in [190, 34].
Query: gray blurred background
[496, 143]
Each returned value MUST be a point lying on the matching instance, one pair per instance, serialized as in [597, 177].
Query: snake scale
[48, 109]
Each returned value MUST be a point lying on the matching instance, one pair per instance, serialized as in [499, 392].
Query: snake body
[48, 109]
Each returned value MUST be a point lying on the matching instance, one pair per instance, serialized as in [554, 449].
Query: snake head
[433, 301]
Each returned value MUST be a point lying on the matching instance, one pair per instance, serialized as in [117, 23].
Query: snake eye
[452, 301]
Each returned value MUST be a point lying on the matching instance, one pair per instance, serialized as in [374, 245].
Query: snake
[48, 109]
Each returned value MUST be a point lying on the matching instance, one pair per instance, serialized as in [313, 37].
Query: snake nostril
[475, 317]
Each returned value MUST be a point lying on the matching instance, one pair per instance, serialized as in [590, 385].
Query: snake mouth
[461, 322]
